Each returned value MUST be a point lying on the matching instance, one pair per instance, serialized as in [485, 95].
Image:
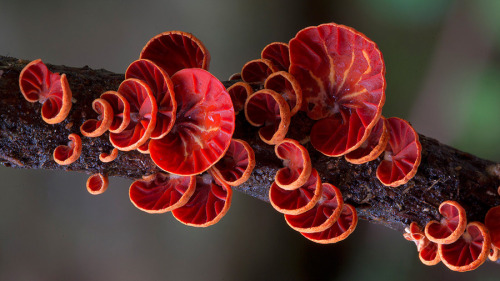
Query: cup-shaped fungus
[297, 164]
[402, 154]
[203, 128]
[143, 111]
[160, 192]
[492, 222]
[163, 92]
[494, 253]
[67, 154]
[256, 71]
[97, 183]
[324, 214]
[176, 50]
[121, 111]
[237, 164]
[96, 127]
[277, 53]
[239, 93]
[373, 146]
[427, 250]
[339, 230]
[268, 109]
[341, 73]
[108, 157]
[284, 83]
[209, 203]
[469, 251]
[299, 200]
[451, 227]
[52, 90]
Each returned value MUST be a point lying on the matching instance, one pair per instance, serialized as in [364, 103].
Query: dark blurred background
[443, 75]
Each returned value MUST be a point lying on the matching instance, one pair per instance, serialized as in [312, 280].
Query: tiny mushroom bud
[67, 154]
[284, 83]
[96, 127]
[239, 93]
[297, 164]
[105, 157]
[277, 53]
[257, 71]
[451, 226]
[373, 146]
[97, 183]
[237, 164]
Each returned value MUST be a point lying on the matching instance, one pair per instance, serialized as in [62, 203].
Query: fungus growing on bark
[208, 204]
[284, 83]
[143, 111]
[160, 192]
[96, 127]
[203, 128]
[492, 222]
[239, 93]
[494, 253]
[256, 71]
[176, 50]
[297, 164]
[121, 111]
[277, 53]
[469, 251]
[341, 73]
[268, 109]
[97, 183]
[52, 90]
[237, 164]
[451, 226]
[427, 250]
[373, 146]
[324, 214]
[402, 154]
[105, 157]
[299, 200]
[67, 154]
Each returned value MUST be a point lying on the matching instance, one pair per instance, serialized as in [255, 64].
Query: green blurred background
[443, 75]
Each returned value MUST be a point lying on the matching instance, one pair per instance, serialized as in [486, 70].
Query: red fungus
[121, 111]
[402, 154]
[67, 154]
[235, 76]
[144, 148]
[297, 164]
[105, 157]
[297, 201]
[371, 147]
[256, 71]
[494, 253]
[52, 90]
[269, 109]
[160, 193]
[209, 203]
[203, 128]
[284, 83]
[341, 73]
[427, 250]
[163, 92]
[96, 127]
[339, 231]
[492, 222]
[143, 111]
[237, 164]
[451, 226]
[324, 214]
[469, 251]
[176, 50]
[97, 183]
[277, 53]
[239, 93]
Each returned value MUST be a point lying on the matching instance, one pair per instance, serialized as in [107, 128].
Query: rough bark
[445, 173]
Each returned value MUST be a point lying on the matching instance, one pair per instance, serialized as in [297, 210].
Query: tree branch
[444, 173]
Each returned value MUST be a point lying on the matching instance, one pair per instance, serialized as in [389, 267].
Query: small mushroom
[97, 183]
[209, 203]
[297, 164]
[373, 146]
[427, 250]
[96, 127]
[239, 93]
[469, 251]
[268, 109]
[402, 154]
[237, 164]
[235, 77]
[105, 157]
[277, 53]
[494, 253]
[297, 201]
[67, 154]
[52, 90]
[160, 192]
[451, 227]
[121, 111]
[176, 50]
[257, 71]
[492, 222]
[284, 83]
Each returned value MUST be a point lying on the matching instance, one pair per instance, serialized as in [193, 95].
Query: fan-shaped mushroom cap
[339, 231]
[492, 222]
[297, 164]
[163, 92]
[237, 164]
[209, 203]
[121, 111]
[469, 251]
[176, 50]
[52, 90]
[297, 201]
[160, 193]
[451, 227]
[427, 250]
[284, 83]
[239, 93]
[324, 214]
[277, 53]
[373, 146]
[67, 154]
[96, 127]
[402, 154]
[143, 111]
[269, 109]
[341, 73]
[256, 71]
[203, 128]
[97, 183]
